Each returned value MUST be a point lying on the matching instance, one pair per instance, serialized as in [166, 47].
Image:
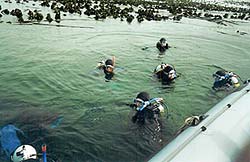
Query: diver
[191, 121]
[225, 80]
[107, 67]
[14, 150]
[162, 45]
[166, 73]
[147, 108]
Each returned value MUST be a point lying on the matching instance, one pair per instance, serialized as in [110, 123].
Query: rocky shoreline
[129, 10]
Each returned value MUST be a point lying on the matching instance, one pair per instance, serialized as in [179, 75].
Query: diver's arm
[113, 60]
[100, 64]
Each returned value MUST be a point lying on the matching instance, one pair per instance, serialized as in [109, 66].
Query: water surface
[50, 89]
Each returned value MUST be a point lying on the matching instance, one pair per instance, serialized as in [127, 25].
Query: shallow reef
[128, 10]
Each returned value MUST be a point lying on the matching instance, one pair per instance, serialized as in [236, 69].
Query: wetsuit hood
[143, 96]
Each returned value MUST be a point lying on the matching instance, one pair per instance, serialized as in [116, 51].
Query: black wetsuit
[148, 112]
[160, 47]
[164, 75]
[108, 75]
[220, 81]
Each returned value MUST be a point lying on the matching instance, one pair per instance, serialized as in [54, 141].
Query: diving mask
[109, 68]
[172, 74]
[140, 104]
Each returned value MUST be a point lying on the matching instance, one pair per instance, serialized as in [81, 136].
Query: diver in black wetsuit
[162, 45]
[147, 109]
[225, 80]
[108, 68]
[166, 73]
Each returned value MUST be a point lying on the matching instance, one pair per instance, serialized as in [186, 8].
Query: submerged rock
[130, 18]
[16, 12]
[38, 16]
[5, 11]
[142, 10]
[57, 17]
[45, 3]
[30, 15]
[177, 17]
[48, 18]
[225, 15]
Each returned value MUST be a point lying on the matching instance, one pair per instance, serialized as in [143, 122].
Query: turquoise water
[50, 89]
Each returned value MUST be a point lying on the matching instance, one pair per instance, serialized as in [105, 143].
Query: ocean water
[51, 90]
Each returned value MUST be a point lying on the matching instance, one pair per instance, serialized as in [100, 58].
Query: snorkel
[44, 153]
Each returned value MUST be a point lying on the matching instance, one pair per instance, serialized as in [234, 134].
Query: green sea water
[50, 88]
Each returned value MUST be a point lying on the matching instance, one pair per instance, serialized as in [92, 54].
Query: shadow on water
[37, 125]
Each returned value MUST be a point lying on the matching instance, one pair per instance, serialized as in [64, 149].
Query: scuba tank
[156, 104]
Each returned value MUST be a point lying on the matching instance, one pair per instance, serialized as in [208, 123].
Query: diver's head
[108, 62]
[144, 96]
[169, 73]
[164, 43]
[162, 40]
[23, 153]
[109, 68]
[138, 102]
[141, 99]
[109, 65]
[220, 73]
